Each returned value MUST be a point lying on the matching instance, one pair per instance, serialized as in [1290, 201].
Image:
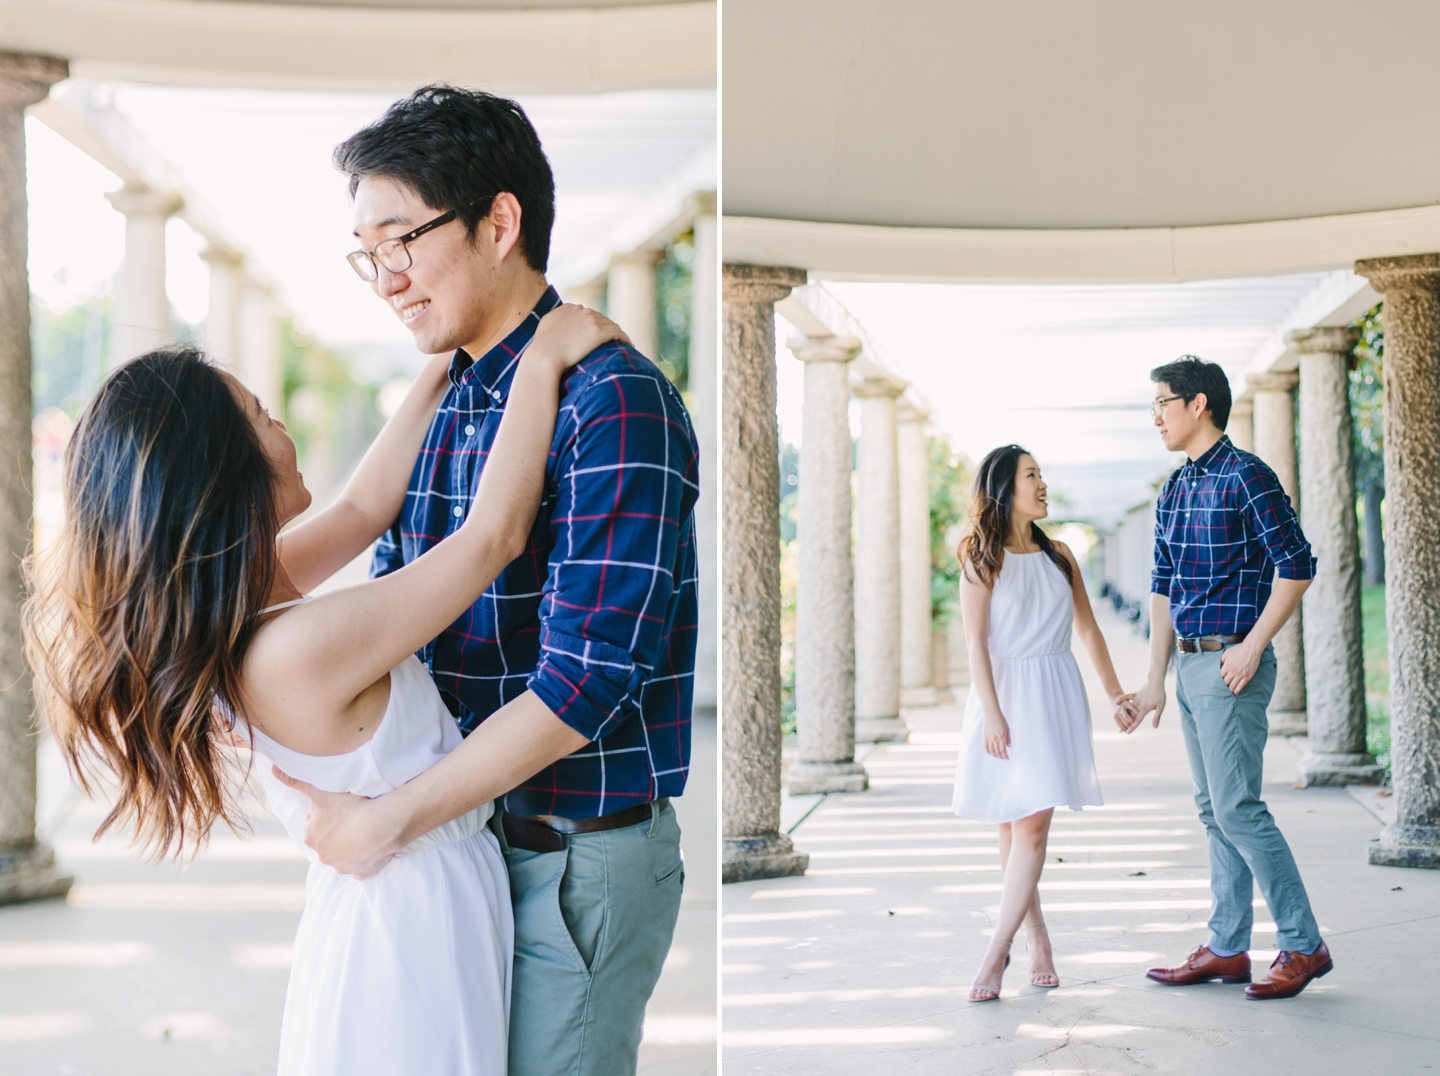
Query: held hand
[997, 736]
[1238, 665]
[570, 332]
[1126, 716]
[350, 833]
[1148, 698]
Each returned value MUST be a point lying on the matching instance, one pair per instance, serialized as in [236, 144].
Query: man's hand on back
[355, 835]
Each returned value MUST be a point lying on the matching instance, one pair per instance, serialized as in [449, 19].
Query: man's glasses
[1156, 406]
[393, 254]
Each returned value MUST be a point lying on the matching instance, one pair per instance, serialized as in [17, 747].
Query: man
[572, 676]
[1223, 526]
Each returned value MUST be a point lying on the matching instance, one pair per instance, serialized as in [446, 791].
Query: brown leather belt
[549, 833]
[1209, 643]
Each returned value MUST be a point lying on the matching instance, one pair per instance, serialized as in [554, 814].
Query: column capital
[145, 203]
[879, 386]
[1245, 405]
[824, 348]
[1325, 340]
[759, 283]
[1405, 273]
[646, 259]
[26, 77]
[219, 254]
[905, 411]
[1274, 381]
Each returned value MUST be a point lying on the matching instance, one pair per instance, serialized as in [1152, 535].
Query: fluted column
[824, 599]
[258, 367]
[877, 566]
[704, 383]
[1275, 444]
[917, 643]
[1411, 290]
[1241, 427]
[222, 321]
[142, 309]
[27, 866]
[631, 302]
[1335, 664]
[753, 846]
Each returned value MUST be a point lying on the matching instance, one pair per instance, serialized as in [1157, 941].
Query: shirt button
[469, 431]
[495, 393]
[457, 511]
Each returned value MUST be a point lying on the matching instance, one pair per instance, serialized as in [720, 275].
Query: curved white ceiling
[521, 47]
[1111, 114]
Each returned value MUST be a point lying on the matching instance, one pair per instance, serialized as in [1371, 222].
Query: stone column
[586, 294]
[259, 362]
[1334, 666]
[1275, 444]
[917, 643]
[753, 846]
[222, 322]
[704, 385]
[27, 866]
[1241, 427]
[142, 309]
[1411, 289]
[631, 301]
[877, 566]
[824, 599]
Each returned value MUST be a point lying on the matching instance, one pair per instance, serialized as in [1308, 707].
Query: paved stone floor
[862, 965]
[155, 970]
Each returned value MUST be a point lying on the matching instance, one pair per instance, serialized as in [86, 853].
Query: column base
[919, 696]
[30, 874]
[806, 778]
[748, 859]
[881, 730]
[944, 696]
[1288, 723]
[1332, 770]
[1407, 846]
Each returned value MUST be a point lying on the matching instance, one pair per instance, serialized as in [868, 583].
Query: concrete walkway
[863, 965]
[157, 971]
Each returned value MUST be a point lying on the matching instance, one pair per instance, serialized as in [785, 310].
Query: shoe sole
[1231, 979]
[1320, 974]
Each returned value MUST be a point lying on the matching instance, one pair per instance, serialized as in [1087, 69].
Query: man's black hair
[457, 149]
[1189, 376]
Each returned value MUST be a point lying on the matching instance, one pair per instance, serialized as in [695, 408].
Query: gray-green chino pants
[593, 924]
[1225, 737]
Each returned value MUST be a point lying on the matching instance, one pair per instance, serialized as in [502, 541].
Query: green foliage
[67, 354]
[1367, 399]
[789, 573]
[949, 499]
[1375, 636]
[331, 416]
[672, 300]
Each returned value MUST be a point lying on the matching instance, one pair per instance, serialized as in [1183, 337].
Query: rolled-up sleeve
[1269, 512]
[624, 488]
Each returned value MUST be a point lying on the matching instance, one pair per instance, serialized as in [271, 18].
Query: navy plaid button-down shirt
[598, 615]
[1222, 526]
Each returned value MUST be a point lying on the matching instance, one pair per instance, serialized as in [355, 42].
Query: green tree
[949, 500]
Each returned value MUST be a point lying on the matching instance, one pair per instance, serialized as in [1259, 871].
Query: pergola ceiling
[515, 47]
[1106, 115]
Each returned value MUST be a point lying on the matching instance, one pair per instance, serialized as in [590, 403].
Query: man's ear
[1203, 403]
[504, 218]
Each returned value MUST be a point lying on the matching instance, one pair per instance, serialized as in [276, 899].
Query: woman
[170, 611]
[1027, 722]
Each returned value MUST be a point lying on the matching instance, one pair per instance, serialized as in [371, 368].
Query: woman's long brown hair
[139, 616]
[987, 523]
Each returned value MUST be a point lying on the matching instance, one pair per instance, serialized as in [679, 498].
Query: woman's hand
[997, 736]
[570, 332]
[1125, 714]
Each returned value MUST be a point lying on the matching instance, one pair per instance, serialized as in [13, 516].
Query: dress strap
[283, 605]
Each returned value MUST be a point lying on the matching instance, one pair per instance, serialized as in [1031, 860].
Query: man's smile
[408, 312]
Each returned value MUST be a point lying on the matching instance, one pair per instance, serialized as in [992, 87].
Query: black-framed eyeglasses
[393, 254]
[1156, 406]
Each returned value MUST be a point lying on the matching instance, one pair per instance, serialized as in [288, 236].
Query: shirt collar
[1211, 455]
[494, 370]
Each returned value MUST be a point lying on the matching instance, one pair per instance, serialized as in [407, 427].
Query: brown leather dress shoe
[1291, 973]
[1201, 966]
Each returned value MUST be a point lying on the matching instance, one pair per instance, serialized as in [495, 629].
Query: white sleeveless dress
[1052, 762]
[408, 971]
